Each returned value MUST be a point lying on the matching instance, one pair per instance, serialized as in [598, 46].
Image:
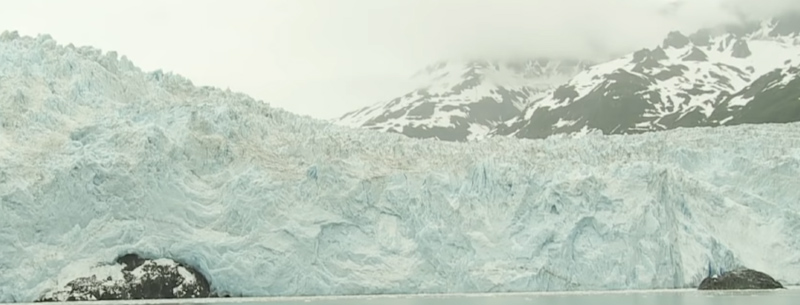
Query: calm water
[674, 297]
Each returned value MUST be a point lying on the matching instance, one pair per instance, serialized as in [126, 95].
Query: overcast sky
[327, 57]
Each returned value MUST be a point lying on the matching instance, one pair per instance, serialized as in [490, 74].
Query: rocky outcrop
[696, 55]
[133, 277]
[741, 49]
[701, 38]
[739, 280]
[675, 40]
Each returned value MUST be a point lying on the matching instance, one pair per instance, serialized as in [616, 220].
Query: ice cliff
[98, 159]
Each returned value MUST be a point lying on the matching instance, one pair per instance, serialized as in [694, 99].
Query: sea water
[661, 297]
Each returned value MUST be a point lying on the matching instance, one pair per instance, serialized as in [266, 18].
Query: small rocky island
[133, 277]
[739, 279]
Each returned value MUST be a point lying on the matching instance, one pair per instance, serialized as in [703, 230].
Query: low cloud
[563, 28]
[325, 57]
[745, 10]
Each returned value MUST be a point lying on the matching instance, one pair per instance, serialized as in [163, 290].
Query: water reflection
[688, 297]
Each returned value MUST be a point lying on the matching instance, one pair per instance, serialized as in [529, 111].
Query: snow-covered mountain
[719, 76]
[465, 100]
[714, 77]
[99, 159]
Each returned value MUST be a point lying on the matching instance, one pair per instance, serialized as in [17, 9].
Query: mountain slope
[712, 77]
[773, 97]
[99, 159]
[464, 100]
[742, 75]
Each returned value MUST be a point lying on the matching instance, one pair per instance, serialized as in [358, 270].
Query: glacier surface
[98, 158]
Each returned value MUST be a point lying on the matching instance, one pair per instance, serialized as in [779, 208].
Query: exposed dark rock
[640, 55]
[670, 72]
[729, 39]
[701, 38]
[452, 111]
[472, 79]
[634, 98]
[787, 24]
[740, 49]
[422, 111]
[457, 133]
[386, 116]
[676, 40]
[130, 261]
[138, 278]
[615, 106]
[488, 110]
[646, 59]
[621, 104]
[769, 102]
[658, 54]
[643, 54]
[739, 280]
[696, 55]
[565, 92]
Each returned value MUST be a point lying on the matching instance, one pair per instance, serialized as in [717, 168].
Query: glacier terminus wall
[98, 159]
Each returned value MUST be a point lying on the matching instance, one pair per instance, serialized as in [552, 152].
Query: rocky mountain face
[728, 75]
[745, 74]
[465, 100]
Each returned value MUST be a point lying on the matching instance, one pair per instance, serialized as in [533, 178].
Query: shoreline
[268, 299]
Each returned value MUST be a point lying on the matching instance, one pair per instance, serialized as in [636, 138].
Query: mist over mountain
[466, 100]
[722, 75]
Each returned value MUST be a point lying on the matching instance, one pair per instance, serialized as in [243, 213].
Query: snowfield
[98, 159]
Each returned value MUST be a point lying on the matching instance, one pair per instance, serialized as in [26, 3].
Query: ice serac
[99, 159]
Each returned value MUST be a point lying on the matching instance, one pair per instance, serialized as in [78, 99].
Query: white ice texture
[98, 159]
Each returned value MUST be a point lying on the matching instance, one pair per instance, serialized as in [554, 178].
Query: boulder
[133, 277]
[739, 280]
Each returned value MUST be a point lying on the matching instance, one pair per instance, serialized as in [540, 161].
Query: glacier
[98, 159]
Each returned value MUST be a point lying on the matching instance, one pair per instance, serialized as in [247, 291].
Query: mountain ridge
[464, 100]
[706, 78]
